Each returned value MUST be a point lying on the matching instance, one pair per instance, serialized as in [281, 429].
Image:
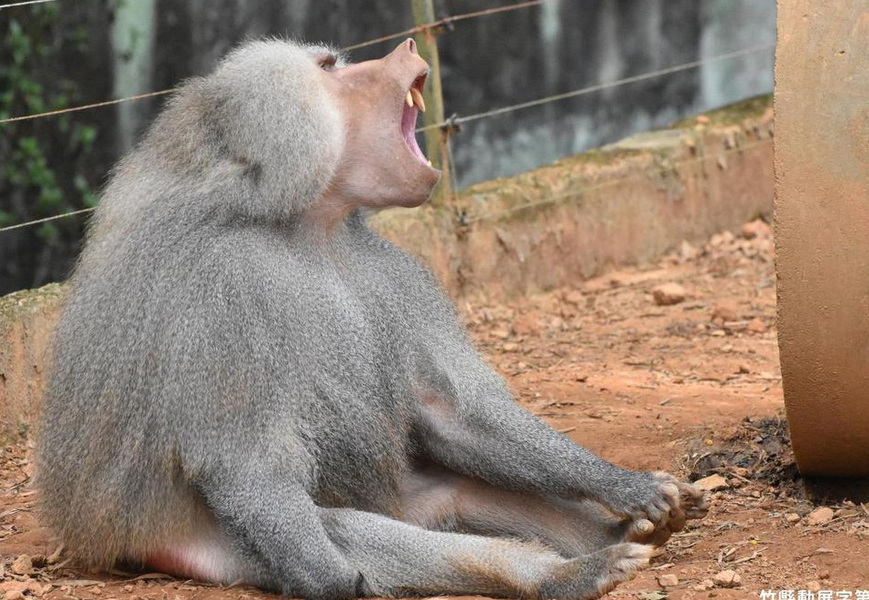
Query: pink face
[379, 100]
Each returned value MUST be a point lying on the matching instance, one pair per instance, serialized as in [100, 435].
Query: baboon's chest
[363, 408]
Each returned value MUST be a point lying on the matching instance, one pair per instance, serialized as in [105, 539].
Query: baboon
[250, 384]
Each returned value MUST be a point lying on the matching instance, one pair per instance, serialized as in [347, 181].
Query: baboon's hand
[660, 498]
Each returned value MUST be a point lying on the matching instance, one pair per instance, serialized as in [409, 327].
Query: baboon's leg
[398, 559]
[273, 525]
[438, 499]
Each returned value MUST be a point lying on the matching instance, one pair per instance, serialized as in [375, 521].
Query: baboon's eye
[327, 61]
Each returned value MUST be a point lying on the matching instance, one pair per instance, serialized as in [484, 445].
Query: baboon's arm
[276, 525]
[471, 424]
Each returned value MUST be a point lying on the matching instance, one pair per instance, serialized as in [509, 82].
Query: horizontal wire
[597, 88]
[411, 31]
[27, 3]
[446, 21]
[585, 190]
[63, 111]
[493, 216]
[46, 219]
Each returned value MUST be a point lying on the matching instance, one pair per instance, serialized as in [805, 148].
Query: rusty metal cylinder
[822, 230]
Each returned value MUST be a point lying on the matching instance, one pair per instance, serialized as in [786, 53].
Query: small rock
[757, 228]
[668, 294]
[527, 325]
[574, 297]
[22, 565]
[501, 333]
[15, 590]
[756, 326]
[792, 518]
[666, 581]
[743, 370]
[511, 347]
[718, 333]
[702, 120]
[725, 311]
[712, 483]
[813, 586]
[824, 575]
[727, 578]
[820, 516]
[687, 251]
[706, 584]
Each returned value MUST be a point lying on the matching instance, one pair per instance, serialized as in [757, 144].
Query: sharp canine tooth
[417, 97]
[409, 99]
[429, 162]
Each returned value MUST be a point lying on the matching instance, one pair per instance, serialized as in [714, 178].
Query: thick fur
[219, 366]
[220, 161]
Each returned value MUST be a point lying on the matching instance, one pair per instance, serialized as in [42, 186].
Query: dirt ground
[692, 387]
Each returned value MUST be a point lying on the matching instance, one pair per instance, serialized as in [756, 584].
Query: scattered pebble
[792, 518]
[820, 516]
[727, 578]
[813, 586]
[757, 228]
[706, 584]
[712, 483]
[725, 311]
[668, 294]
[22, 565]
[669, 580]
[756, 326]
[501, 333]
[575, 297]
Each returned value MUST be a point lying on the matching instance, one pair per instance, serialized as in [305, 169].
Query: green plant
[44, 161]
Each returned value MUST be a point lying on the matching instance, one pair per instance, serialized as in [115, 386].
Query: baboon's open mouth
[413, 103]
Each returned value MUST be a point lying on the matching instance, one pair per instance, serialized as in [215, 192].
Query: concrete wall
[554, 226]
[822, 230]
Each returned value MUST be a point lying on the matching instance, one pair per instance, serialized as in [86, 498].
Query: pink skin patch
[209, 558]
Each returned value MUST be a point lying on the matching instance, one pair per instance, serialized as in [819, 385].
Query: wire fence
[27, 3]
[448, 126]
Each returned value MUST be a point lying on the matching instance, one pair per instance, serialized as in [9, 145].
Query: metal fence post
[435, 140]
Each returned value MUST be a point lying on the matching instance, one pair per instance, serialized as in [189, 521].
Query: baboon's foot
[643, 531]
[660, 499]
[592, 576]
[685, 501]
[691, 499]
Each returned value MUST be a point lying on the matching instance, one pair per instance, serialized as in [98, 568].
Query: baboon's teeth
[429, 162]
[409, 98]
[417, 98]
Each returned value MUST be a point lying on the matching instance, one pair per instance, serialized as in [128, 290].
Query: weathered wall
[625, 203]
[822, 230]
[27, 319]
[622, 204]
